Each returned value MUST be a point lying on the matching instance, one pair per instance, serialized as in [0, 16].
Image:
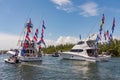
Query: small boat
[12, 60]
[85, 50]
[55, 54]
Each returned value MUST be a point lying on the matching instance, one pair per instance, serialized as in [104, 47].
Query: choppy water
[53, 68]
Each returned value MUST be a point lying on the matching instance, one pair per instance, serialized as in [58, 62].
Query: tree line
[113, 48]
[53, 49]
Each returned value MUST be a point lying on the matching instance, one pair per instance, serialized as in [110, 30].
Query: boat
[29, 54]
[13, 57]
[28, 48]
[85, 50]
[56, 54]
[12, 60]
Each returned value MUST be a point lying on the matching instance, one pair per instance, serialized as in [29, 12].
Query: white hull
[30, 59]
[24, 59]
[9, 61]
[80, 56]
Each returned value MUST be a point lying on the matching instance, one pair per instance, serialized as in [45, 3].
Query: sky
[65, 20]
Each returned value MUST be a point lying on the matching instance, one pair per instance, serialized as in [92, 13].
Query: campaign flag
[27, 36]
[80, 37]
[29, 25]
[111, 36]
[113, 25]
[43, 25]
[36, 35]
[105, 33]
[101, 24]
[103, 18]
[42, 35]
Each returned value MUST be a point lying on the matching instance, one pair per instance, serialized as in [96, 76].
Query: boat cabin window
[76, 50]
[91, 52]
[81, 42]
[91, 43]
[29, 51]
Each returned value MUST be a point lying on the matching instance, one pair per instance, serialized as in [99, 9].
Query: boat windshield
[81, 42]
[91, 43]
[76, 50]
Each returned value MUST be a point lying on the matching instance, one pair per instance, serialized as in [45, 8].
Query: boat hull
[30, 59]
[11, 61]
[79, 56]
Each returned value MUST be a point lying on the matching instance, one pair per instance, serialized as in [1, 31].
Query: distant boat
[28, 48]
[56, 54]
[85, 50]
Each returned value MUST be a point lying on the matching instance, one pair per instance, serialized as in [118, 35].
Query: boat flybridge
[85, 50]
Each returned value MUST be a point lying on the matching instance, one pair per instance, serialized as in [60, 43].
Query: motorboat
[85, 50]
[12, 60]
[56, 54]
[28, 50]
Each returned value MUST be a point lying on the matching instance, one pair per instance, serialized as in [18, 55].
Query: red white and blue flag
[36, 35]
[29, 26]
[27, 37]
[42, 35]
[43, 25]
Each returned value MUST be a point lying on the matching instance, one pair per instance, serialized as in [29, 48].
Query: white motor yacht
[85, 50]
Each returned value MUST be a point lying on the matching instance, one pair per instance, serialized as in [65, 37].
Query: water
[53, 68]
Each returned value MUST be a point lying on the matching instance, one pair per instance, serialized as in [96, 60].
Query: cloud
[89, 9]
[61, 2]
[65, 5]
[86, 10]
[49, 42]
[66, 40]
[8, 41]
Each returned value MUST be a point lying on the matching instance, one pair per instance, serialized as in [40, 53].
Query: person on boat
[14, 57]
[16, 54]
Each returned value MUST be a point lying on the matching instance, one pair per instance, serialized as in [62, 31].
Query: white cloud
[49, 42]
[86, 10]
[65, 5]
[61, 2]
[8, 41]
[66, 40]
[62, 40]
[89, 9]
